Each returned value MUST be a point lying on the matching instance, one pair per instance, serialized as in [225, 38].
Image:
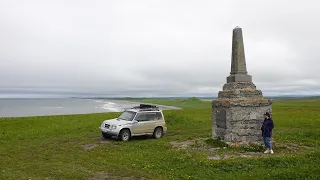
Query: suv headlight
[113, 127]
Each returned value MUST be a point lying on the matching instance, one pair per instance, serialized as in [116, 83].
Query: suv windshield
[127, 115]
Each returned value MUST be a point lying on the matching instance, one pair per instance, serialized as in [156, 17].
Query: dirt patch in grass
[103, 140]
[88, 147]
[106, 176]
[218, 150]
[183, 144]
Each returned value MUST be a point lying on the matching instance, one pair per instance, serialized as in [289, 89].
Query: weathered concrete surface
[237, 114]
[239, 90]
[243, 119]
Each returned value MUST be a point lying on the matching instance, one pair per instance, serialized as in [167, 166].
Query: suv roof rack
[146, 107]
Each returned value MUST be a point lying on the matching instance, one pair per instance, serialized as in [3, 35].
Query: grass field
[51, 147]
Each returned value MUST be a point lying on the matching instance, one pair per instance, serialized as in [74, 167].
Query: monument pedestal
[239, 120]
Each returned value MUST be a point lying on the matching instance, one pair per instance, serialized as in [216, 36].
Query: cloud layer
[155, 48]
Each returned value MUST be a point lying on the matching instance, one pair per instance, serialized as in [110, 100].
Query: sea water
[19, 107]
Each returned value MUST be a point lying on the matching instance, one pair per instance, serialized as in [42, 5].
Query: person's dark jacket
[267, 127]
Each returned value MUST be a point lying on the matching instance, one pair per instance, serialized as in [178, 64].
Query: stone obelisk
[237, 114]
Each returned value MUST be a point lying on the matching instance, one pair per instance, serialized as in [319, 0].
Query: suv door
[140, 126]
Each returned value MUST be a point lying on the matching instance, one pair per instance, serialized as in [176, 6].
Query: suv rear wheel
[124, 135]
[157, 133]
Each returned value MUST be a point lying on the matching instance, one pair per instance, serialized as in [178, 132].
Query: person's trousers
[267, 142]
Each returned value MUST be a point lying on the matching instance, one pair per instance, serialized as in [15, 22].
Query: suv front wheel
[158, 132]
[124, 135]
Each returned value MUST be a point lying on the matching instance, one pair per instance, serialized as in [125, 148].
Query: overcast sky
[155, 47]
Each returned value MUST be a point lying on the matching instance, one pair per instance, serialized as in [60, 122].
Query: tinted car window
[158, 116]
[141, 117]
[127, 115]
[151, 116]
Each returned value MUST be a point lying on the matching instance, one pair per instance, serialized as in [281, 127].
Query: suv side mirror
[135, 121]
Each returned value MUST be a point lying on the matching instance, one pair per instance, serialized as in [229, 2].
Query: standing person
[266, 129]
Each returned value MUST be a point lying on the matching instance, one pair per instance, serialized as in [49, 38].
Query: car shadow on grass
[115, 139]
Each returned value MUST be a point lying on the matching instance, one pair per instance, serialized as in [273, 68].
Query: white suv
[140, 120]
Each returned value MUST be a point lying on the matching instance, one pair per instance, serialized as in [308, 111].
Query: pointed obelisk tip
[237, 30]
[238, 61]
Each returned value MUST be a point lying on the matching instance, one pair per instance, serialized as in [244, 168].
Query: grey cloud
[155, 48]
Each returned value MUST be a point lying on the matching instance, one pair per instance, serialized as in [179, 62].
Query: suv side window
[154, 116]
[159, 116]
[142, 116]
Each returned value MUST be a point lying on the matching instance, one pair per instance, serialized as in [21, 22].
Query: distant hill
[201, 97]
[294, 97]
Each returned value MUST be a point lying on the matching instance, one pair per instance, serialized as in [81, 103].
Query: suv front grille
[107, 126]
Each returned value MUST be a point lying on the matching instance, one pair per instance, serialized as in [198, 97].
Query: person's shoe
[267, 151]
[271, 151]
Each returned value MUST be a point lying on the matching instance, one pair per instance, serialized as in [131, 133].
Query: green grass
[51, 146]
[216, 143]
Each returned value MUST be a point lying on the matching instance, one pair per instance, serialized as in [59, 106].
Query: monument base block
[239, 90]
[239, 120]
[239, 78]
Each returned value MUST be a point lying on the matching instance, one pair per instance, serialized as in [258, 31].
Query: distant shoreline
[65, 106]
